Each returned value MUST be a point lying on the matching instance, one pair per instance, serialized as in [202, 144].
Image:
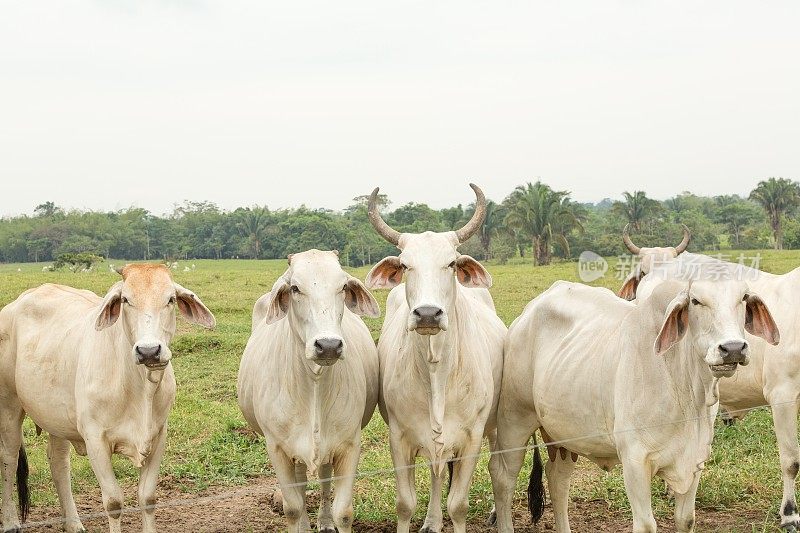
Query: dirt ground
[251, 508]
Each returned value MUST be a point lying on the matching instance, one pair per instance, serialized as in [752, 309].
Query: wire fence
[248, 491]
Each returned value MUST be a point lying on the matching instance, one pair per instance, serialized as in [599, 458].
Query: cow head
[431, 265]
[313, 293]
[715, 316]
[649, 258]
[144, 303]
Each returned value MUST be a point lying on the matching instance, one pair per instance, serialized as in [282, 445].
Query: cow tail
[449, 476]
[23, 491]
[536, 487]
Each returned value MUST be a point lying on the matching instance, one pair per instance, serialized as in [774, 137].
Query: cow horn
[119, 270]
[383, 229]
[474, 224]
[628, 242]
[685, 242]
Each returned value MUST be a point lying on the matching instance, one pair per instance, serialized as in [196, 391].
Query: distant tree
[636, 208]
[544, 216]
[47, 209]
[736, 214]
[252, 223]
[778, 197]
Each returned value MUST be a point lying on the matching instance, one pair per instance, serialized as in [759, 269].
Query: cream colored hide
[95, 373]
[308, 382]
[773, 375]
[441, 352]
[616, 381]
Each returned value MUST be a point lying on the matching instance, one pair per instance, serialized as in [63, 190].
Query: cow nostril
[429, 312]
[733, 347]
[323, 346]
[148, 351]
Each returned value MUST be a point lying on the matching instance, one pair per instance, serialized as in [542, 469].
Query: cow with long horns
[651, 259]
[440, 351]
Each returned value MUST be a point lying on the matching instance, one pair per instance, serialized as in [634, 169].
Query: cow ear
[628, 290]
[112, 307]
[675, 325]
[359, 300]
[280, 297]
[758, 320]
[471, 273]
[193, 309]
[386, 274]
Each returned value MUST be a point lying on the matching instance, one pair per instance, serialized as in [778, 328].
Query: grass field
[208, 445]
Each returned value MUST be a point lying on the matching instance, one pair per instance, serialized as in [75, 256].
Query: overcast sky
[111, 103]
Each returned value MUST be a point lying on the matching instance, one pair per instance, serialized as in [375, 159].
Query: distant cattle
[441, 351]
[308, 382]
[616, 381]
[95, 373]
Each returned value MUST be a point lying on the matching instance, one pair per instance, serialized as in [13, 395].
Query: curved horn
[474, 224]
[119, 270]
[383, 229]
[628, 242]
[687, 235]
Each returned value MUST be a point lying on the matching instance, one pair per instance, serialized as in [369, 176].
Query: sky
[113, 103]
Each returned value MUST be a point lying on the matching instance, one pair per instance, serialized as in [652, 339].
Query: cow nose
[428, 315]
[733, 351]
[328, 348]
[148, 353]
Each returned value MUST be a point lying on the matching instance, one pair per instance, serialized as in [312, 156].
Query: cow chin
[724, 370]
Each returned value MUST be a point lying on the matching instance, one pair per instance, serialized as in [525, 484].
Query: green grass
[208, 445]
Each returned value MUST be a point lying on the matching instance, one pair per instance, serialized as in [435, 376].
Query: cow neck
[439, 354]
[301, 375]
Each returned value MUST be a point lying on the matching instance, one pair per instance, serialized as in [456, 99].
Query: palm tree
[636, 208]
[544, 216]
[251, 223]
[778, 196]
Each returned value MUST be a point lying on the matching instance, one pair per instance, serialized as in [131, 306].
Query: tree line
[535, 221]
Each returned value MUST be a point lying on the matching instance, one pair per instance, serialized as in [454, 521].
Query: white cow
[95, 373]
[773, 377]
[616, 381]
[651, 258]
[308, 382]
[441, 351]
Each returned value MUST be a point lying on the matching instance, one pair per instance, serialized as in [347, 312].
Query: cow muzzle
[733, 354]
[151, 355]
[428, 320]
[327, 350]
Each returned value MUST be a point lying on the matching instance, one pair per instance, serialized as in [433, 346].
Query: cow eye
[695, 301]
[295, 289]
[172, 300]
[124, 300]
[452, 264]
[345, 287]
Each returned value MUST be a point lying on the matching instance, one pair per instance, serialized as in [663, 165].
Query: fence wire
[248, 491]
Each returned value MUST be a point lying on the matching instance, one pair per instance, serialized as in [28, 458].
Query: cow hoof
[16, 529]
[492, 520]
[791, 527]
[327, 529]
[428, 529]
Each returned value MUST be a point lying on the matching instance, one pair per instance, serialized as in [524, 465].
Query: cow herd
[635, 378]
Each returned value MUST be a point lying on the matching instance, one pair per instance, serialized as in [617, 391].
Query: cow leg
[301, 484]
[99, 453]
[293, 504]
[11, 416]
[458, 499]
[148, 481]
[637, 477]
[433, 518]
[684, 508]
[403, 461]
[60, 469]
[784, 415]
[346, 467]
[325, 518]
[559, 474]
[513, 434]
[492, 438]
